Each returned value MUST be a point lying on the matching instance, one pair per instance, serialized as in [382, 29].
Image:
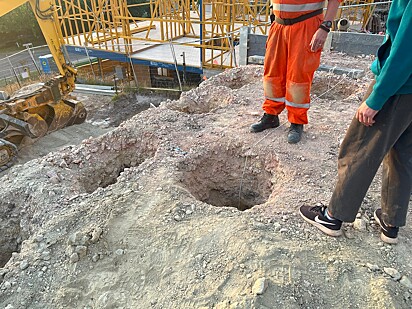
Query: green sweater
[393, 66]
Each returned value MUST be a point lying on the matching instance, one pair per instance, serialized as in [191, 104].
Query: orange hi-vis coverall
[289, 63]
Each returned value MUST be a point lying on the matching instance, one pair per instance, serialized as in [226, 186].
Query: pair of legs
[363, 150]
[288, 73]
[288, 69]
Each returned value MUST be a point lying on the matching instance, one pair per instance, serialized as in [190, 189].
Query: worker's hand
[318, 40]
[365, 114]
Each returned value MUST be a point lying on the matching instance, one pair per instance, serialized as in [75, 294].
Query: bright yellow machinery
[39, 110]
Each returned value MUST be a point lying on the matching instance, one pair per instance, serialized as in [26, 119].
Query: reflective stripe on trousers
[288, 69]
[287, 103]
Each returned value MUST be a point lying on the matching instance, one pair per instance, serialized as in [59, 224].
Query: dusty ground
[181, 207]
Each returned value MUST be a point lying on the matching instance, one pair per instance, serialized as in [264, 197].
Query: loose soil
[180, 206]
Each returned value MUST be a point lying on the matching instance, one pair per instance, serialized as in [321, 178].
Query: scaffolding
[210, 27]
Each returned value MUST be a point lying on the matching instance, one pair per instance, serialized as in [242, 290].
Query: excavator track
[8, 154]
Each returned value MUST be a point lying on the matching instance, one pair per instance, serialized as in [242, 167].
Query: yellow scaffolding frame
[213, 25]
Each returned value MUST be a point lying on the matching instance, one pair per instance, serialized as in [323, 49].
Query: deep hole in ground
[107, 172]
[10, 236]
[331, 88]
[129, 105]
[225, 178]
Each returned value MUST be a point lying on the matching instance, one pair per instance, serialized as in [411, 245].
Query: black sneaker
[295, 133]
[316, 216]
[389, 234]
[266, 122]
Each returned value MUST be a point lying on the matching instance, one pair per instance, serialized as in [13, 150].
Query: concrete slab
[350, 43]
[353, 43]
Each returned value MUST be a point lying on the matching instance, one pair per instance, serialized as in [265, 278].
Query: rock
[277, 226]
[406, 282]
[119, 252]
[7, 285]
[372, 267]
[55, 180]
[74, 258]
[392, 272]
[97, 232]
[77, 239]
[81, 250]
[260, 286]
[95, 257]
[24, 264]
[359, 224]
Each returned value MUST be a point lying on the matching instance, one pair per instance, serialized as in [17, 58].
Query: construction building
[150, 42]
[186, 36]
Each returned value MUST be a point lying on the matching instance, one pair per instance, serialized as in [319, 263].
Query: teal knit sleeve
[397, 68]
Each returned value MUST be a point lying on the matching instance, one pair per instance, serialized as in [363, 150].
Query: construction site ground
[179, 206]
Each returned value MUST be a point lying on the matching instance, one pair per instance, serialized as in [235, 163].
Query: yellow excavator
[38, 110]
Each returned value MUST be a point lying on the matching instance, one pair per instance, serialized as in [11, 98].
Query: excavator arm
[38, 110]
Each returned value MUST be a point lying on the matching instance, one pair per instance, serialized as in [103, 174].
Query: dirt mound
[181, 207]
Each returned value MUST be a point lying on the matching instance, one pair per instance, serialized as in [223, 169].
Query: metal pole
[366, 4]
[184, 68]
[131, 63]
[175, 60]
[90, 61]
[14, 71]
[32, 56]
[232, 49]
[115, 83]
[201, 26]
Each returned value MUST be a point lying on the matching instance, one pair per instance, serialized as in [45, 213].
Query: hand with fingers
[365, 114]
[318, 40]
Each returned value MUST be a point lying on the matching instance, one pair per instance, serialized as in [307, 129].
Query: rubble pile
[181, 207]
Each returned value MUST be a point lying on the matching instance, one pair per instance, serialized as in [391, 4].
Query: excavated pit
[109, 167]
[226, 178]
[333, 87]
[106, 175]
[10, 236]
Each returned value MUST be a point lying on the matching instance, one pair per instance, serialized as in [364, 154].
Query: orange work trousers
[289, 67]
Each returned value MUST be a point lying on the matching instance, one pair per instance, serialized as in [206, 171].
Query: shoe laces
[320, 209]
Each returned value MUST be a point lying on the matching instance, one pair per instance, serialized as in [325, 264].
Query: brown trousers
[388, 140]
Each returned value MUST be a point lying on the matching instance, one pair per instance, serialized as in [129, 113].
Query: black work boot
[266, 122]
[295, 133]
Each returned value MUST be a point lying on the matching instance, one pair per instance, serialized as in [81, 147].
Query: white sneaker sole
[321, 227]
[384, 238]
